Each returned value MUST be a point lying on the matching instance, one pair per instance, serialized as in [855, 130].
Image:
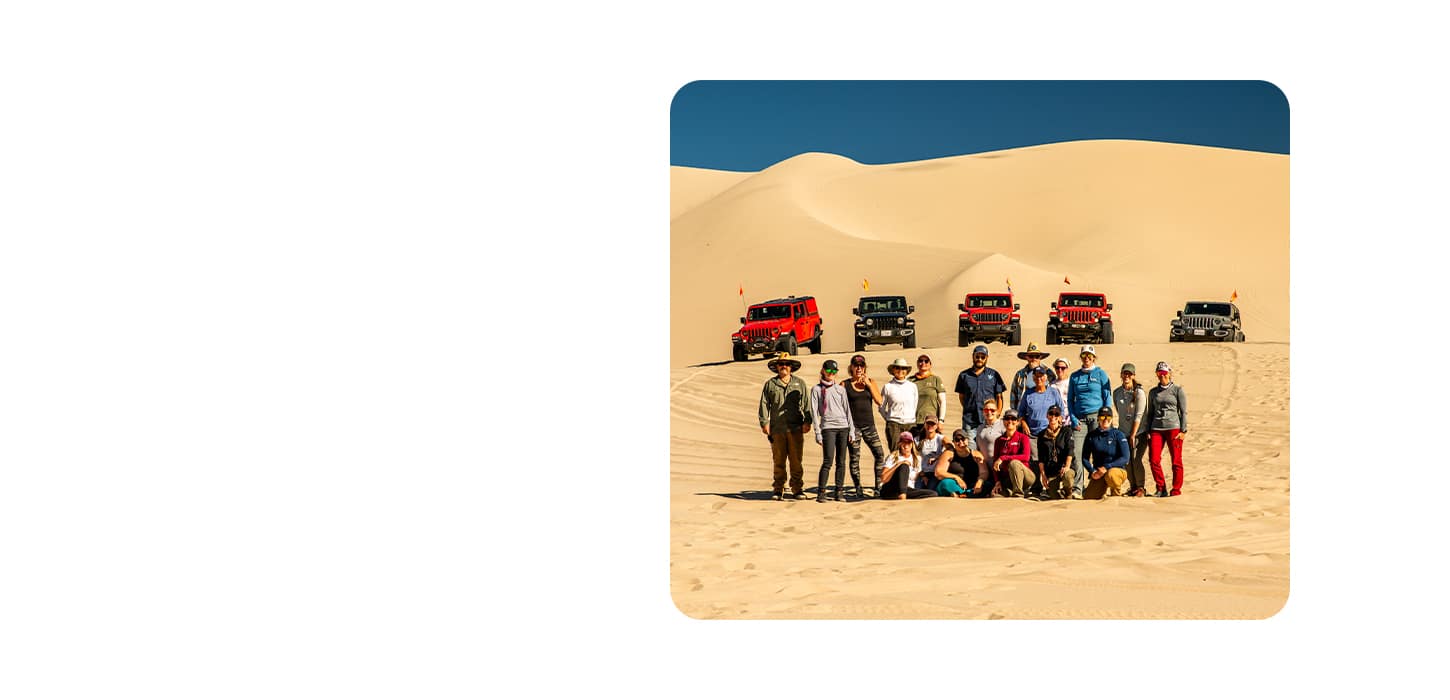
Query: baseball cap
[858, 360]
[1011, 414]
[1061, 361]
[1105, 411]
[1088, 350]
[980, 349]
[905, 437]
[959, 434]
[1054, 411]
[930, 419]
[1164, 367]
[1129, 368]
[923, 358]
[1039, 370]
[830, 366]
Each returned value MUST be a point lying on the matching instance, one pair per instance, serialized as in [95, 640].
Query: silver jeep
[1207, 320]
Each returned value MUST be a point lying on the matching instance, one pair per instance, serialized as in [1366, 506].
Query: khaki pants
[1016, 478]
[1058, 486]
[787, 445]
[1111, 483]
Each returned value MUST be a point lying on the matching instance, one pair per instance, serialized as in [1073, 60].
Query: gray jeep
[1207, 320]
[884, 320]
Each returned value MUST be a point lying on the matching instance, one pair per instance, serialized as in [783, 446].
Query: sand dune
[1152, 224]
[1098, 211]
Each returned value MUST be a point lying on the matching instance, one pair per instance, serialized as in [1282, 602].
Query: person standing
[835, 431]
[1010, 459]
[1167, 424]
[1088, 390]
[1022, 381]
[1058, 380]
[864, 395]
[785, 415]
[986, 441]
[1105, 457]
[903, 468]
[1054, 447]
[1131, 404]
[931, 394]
[898, 401]
[974, 386]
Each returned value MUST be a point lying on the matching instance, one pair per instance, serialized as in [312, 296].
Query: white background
[263, 434]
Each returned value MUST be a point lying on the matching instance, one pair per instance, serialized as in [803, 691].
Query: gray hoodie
[1167, 408]
[831, 408]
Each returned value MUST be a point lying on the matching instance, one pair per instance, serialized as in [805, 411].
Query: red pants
[1155, 457]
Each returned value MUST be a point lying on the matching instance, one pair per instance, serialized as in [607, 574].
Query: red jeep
[778, 325]
[989, 316]
[1080, 317]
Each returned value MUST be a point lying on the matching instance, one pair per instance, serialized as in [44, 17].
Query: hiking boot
[821, 496]
[1137, 493]
[860, 494]
[836, 495]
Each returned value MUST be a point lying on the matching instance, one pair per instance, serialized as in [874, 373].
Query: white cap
[1088, 350]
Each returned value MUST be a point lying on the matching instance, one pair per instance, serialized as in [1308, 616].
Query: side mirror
[961, 307]
[742, 320]
[1053, 305]
[855, 311]
[1180, 314]
[911, 309]
[1016, 307]
[1110, 307]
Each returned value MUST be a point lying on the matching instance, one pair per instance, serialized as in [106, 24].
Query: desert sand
[1149, 224]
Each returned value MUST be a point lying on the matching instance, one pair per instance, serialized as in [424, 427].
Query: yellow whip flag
[865, 284]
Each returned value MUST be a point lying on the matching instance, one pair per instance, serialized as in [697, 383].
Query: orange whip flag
[1065, 280]
[1235, 297]
[865, 284]
[742, 289]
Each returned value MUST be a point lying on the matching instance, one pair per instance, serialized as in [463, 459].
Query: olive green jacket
[784, 406]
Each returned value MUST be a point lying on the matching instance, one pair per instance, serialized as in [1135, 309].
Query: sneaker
[1076, 496]
[821, 497]
[776, 496]
[1175, 492]
[799, 495]
[1137, 493]
[1162, 493]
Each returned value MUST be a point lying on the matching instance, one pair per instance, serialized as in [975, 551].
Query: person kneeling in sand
[1054, 451]
[1105, 458]
[1011, 455]
[956, 467]
[901, 471]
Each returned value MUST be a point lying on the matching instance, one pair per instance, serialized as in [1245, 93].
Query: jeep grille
[1204, 322]
[990, 317]
[756, 334]
[1076, 316]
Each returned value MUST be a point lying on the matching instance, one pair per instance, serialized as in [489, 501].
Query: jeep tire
[1239, 338]
[860, 344]
[1051, 335]
[1105, 332]
[815, 345]
[738, 352]
[963, 338]
[909, 341]
[788, 344]
[1016, 336]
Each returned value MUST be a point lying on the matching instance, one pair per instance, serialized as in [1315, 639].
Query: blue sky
[750, 125]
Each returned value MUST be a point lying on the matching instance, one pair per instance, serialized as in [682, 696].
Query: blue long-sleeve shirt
[1087, 391]
[1106, 449]
[1033, 407]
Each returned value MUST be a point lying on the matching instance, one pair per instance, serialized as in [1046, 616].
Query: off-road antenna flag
[865, 284]
[1065, 280]
[1009, 285]
[1235, 297]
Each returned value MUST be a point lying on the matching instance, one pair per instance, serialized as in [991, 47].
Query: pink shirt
[1016, 447]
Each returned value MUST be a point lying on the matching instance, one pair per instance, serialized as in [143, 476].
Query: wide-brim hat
[1032, 352]
[899, 362]
[786, 358]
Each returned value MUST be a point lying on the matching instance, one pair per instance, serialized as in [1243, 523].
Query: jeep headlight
[870, 321]
[774, 332]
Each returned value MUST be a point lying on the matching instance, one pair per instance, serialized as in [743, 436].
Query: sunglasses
[989, 410]
[830, 371]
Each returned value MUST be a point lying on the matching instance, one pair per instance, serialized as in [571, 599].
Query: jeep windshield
[993, 302]
[768, 313]
[881, 305]
[1080, 300]
[1206, 308]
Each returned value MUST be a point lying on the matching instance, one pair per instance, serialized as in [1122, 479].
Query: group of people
[1061, 435]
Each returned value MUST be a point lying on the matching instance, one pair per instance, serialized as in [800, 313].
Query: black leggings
[897, 485]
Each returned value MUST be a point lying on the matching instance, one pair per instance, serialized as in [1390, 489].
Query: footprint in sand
[791, 528]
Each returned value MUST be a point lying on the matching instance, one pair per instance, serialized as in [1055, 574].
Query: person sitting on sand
[1010, 459]
[1167, 423]
[1105, 458]
[864, 395]
[898, 401]
[833, 427]
[785, 415]
[986, 443]
[903, 467]
[958, 473]
[1054, 450]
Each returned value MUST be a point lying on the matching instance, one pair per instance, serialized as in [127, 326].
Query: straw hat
[1031, 352]
[899, 362]
[784, 357]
